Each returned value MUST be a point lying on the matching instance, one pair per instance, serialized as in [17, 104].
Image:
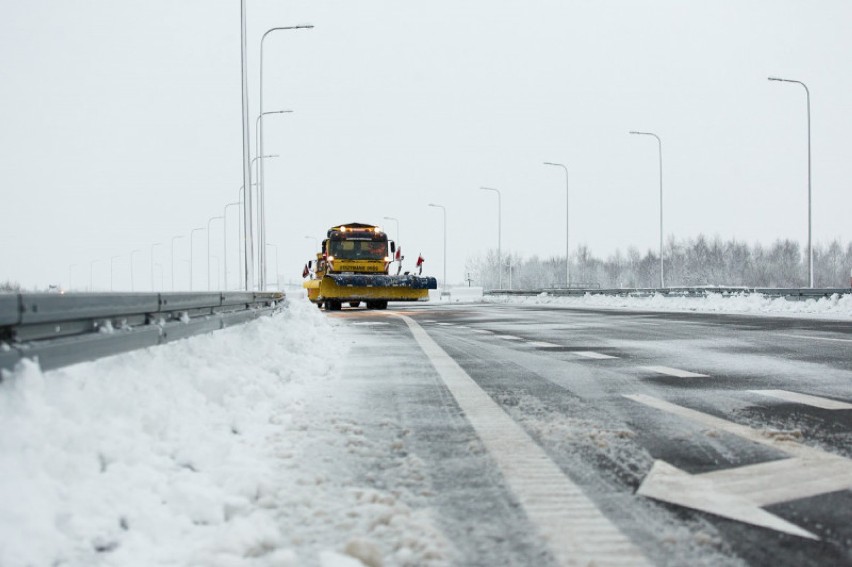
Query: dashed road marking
[483, 331]
[676, 372]
[445, 324]
[809, 337]
[593, 354]
[814, 401]
[573, 527]
[510, 337]
[542, 344]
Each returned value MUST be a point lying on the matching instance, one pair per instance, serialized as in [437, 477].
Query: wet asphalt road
[564, 376]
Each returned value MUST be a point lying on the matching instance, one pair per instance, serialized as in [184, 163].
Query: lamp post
[152, 265]
[810, 224]
[261, 205]
[499, 234]
[111, 263]
[132, 252]
[276, 263]
[225, 237]
[444, 209]
[210, 220]
[262, 186]
[191, 232]
[567, 246]
[248, 265]
[660, 148]
[173, 259]
[257, 163]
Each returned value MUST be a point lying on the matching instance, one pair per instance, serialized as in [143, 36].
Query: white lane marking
[445, 324]
[676, 372]
[574, 528]
[483, 331]
[542, 344]
[741, 492]
[593, 354]
[510, 337]
[427, 321]
[815, 338]
[462, 327]
[795, 397]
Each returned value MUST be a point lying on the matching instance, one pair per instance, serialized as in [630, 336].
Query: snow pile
[159, 456]
[835, 306]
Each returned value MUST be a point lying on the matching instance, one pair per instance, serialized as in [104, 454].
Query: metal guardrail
[63, 329]
[789, 293]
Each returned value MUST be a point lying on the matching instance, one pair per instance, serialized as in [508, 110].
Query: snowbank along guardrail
[63, 329]
[789, 293]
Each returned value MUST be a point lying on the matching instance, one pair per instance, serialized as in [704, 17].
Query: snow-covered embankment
[159, 456]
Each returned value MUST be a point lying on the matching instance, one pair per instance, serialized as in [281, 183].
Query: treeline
[695, 262]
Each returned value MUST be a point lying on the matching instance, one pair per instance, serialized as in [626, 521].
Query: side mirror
[310, 264]
[393, 246]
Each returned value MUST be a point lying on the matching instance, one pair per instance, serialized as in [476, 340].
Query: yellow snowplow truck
[352, 267]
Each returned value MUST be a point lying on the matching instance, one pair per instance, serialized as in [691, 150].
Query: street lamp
[499, 234]
[276, 264]
[444, 209]
[567, 247]
[208, 247]
[132, 252]
[152, 266]
[810, 224]
[256, 188]
[261, 206]
[225, 236]
[191, 232]
[262, 186]
[173, 259]
[660, 148]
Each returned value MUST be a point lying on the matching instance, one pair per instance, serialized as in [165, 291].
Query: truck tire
[354, 304]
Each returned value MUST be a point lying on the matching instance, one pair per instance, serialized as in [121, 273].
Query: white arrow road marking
[795, 397]
[576, 531]
[740, 492]
[677, 373]
[593, 354]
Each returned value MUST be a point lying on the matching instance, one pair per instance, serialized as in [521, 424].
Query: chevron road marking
[574, 528]
[740, 493]
[795, 397]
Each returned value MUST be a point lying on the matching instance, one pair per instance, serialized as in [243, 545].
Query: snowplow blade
[363, 287]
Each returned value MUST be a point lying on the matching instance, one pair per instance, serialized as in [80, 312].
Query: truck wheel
[319, 304]
[354, 304]
[382, 304]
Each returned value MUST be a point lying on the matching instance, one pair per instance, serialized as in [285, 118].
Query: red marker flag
[398, 254]
[420, 261]
[306, 271]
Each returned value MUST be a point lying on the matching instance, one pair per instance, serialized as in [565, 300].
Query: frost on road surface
[223, 449]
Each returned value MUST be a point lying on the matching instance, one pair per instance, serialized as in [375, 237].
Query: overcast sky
[120, 126]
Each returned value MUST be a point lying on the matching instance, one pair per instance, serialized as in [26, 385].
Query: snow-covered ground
[835, 307]
[192, 453]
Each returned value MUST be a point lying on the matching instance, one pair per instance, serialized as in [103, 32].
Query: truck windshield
[358, 249]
